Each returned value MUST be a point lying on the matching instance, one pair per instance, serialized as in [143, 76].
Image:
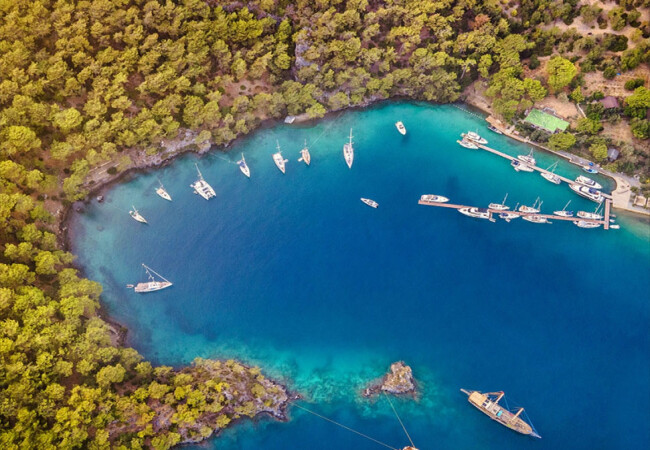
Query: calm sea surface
[293, 273]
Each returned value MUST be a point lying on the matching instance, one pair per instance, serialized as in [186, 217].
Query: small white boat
[586, 181]
[348, 152]
[500, 206]
[532, 209]
[467, 144]
[585, 224]
[401, 128]
[528, 159]
[162, 192]
[535, 219]
[137, 216]
[615, 227]
[279, 160]
[587, 192]
[304, 155]
[202, 187]
[369, 202]
[478, 213]
[563, 212]
[152, 284]
[243, 166]
[589, 169]
[434, 198]
[494, 129]
[473, 136]
[521, 167]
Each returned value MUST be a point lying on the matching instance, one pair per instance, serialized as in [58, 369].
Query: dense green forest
[98, 85]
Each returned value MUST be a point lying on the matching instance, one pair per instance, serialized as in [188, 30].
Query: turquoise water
[294, 273]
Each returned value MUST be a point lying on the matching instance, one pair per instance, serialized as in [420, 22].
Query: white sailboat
[202, 187]
[591, 215]
[532, 209]
[369, 202]
[500, 206]
[348, 152]
[304, 154]
[151, 284]
[137, 216]
[586, 224]
[528, 159]
[563, 212]
[401, 128]
[162, 192]
[434, 198]
[533, 218]
[278, 159]
[521, 167]
[243, 166]
[550, 175]
[508, 216]
[478, 213]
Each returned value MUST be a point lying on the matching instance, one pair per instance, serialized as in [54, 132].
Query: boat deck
[604, 221]
[537, 168]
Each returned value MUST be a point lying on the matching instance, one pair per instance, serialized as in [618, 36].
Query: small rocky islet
[398, 381]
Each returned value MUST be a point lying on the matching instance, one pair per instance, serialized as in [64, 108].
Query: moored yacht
[535, 218]
[494, 129]
[304, 155]
[532, 209]
[528, 159]
[202, 187]
[586, 224]
[500, 206]
[401, 128]
[434, 198]
[550, 174]
[162, 192]
[589, 169]
[563, 212]
[508, 216]
[151, 284]
[586, 181]
[474, 136]
[587, 192]
[521, 167]
[467, 144]
[369, 202]
[488, 403]
[137, 216]
[590, 215]
[348, 152]
[478, 213]
[278, 159]
[243, 166]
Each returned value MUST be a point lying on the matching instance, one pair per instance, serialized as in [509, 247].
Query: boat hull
[163, 194]
[501, 415]
[369, 202]
[151, 286]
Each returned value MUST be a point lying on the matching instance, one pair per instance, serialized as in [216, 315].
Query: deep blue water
[293, 273]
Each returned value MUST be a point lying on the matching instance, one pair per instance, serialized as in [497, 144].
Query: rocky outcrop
[399, 381]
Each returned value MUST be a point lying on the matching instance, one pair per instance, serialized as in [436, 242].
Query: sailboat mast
[197, 169]
[567, 204]
[277, 145]
[518, 412]
[147, 268]
[501, 394]
[504, 199]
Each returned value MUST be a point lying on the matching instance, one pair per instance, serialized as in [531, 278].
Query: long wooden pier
[491, 212]
[539, 169]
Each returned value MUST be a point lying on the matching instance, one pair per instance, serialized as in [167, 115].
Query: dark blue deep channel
[293, 273]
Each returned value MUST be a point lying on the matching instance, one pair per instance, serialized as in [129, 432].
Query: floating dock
[491, 212]
[538, 169]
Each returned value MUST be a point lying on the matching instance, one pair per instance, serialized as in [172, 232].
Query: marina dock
[538, 169]
[492, 212]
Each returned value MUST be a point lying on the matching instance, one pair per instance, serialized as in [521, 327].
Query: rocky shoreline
[398, 381]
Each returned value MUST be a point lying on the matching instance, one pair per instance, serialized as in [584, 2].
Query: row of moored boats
[584, 219]
[583, 186]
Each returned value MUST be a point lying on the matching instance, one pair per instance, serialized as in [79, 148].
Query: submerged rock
[399, 381]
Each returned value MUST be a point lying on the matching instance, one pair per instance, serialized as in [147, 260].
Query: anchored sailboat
[137, 216]
[563, 212]
[304, 154]
[202, 187]
[550, 175]
[500, 206]
[488, 403]
[162, 192]
[278, 159]
[348, 152]
[243, 166]
[152, 284]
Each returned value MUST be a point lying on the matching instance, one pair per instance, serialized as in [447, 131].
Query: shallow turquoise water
[294, 273]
